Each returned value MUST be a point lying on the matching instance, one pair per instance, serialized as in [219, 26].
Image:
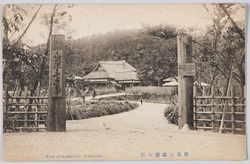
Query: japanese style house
[113, 73]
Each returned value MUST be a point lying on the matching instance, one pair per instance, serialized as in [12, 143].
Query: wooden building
[113, 73]
[173, 82]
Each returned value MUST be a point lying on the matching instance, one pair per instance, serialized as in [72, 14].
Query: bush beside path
[132, 135]
[98, 109]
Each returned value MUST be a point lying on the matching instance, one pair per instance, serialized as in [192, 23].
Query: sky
[91, 19]
[37, 28]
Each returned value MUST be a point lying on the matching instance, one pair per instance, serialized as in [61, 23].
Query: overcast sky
[94, 19]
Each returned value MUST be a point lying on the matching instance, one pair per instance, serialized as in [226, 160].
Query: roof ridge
[111, 61]
[125, 70]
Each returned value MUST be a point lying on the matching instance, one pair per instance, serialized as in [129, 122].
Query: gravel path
[140, 134]
[89, 98]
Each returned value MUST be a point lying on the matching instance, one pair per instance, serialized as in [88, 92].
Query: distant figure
[141, 100]
[94, 94]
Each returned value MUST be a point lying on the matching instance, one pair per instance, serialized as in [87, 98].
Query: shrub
[172, 112]
[147, 97]
[98, 109]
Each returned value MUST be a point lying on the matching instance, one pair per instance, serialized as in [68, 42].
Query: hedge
[98, 109]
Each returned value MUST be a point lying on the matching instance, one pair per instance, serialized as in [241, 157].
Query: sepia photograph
[124, 82]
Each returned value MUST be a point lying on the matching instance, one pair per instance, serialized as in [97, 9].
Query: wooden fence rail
[24, 112]
[208, 113]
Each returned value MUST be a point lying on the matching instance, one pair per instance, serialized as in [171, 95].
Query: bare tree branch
[42, 67]
[233, 22]
[222, 58]
[28, 25]
[50, 31]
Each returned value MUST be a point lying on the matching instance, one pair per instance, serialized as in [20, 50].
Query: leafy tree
[32, 68]
[154, 58]
[224, 46]
[17, 60]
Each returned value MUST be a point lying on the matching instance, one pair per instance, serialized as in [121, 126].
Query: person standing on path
[141, 100]
[94, 94]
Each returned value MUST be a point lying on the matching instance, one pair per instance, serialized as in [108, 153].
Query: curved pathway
[140, 134]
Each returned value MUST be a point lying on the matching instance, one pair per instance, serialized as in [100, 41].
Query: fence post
[244, 108]
[57, 103]
[226, 100]
[233, 108]
[203, 91]
[26, 107]
[37, 107]
[185, 81]
[194, 108]
[19, 93]
[204, 109]
[212, 99]
[5, 109]
[244, 92]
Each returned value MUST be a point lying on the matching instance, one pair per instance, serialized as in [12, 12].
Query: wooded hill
[218, 51]
[153, 57]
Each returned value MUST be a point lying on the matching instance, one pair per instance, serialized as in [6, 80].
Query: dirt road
[140, 134]
[89, 98]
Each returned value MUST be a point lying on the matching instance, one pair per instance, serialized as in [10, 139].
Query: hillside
[153, 57]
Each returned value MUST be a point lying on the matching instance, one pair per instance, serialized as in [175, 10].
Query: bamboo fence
[22, 112]
[220, 113]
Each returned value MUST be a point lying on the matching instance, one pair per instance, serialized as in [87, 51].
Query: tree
[32, 68]
[17, 59]
[154, 58]
[164, 56]
[226, 39]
